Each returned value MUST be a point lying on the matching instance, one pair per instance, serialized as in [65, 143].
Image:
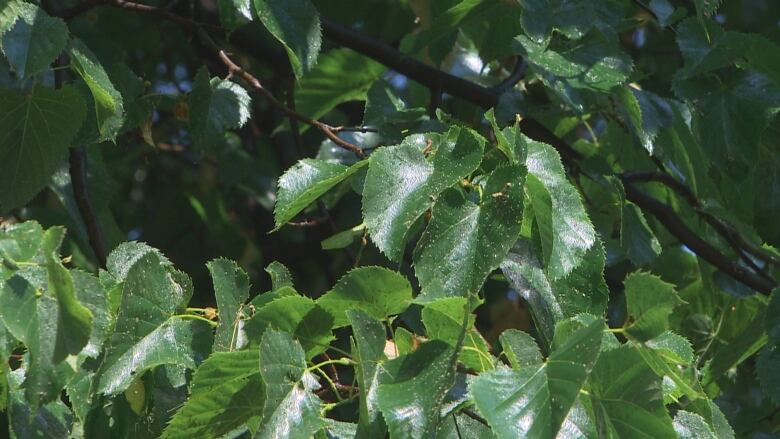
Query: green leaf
[565, 229]
[226, 392]
[296, 24]
[215, 106]
[650, 301]
[304, 183]
[464, 242]
[234, 13]
[231, 289]
[368, 352]
[443, 321]
[449, 21]
[402, 183]
[520, 349]
[20, 242]
[147, 332]
[772, 318]
[93, 296]
[637, 238]
[29, 312]
[647, 113]
[33, 40]
[535, 401]
[280, 276]
[108, 103]
[74, 319]
[510, 140]
[766, 369]
[37, 129]
[299, 316]
[573, 18]
[626, 397]
[412, 388]
[594, 63]
[377, 291]
[53, 420]
[689, 425]
[326, 86]
[291, 410]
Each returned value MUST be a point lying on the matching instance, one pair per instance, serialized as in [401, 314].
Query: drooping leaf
[647, 113]
[74, 319]
[326, 86]
[226, 392]
[37, 129]
[291, 410]
[464, 242]
[231, 289]
[565, 229]
[637, 238]
[296, 24]
[147, 332]
[33, 40]
[535, 401]
[401, 182]
[108, 102]
[304, 183]
[377, 291]
[216, 105]
[649, 301]
[368, 351]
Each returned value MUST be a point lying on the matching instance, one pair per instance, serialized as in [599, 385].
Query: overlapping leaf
[402, 183]
[291, 410]
[216, 105]
[227, 391]
[231, 289]
[465, 241]
[377, 291]
[32, 39]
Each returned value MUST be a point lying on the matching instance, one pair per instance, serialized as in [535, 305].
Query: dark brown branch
[235, 70]
[669, 218]
[727, 231]
[517, 75]
[78, 182]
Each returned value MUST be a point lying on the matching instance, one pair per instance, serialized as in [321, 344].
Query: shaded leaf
[299, 316]
[27, 161]
[215, 106]
[296, 24]
[326, 86]
[74, 319]
[650, 301]
[520, 349]
[33, 40]
[280, 276]
[443, 320]
[637, 238]
[573, 18]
